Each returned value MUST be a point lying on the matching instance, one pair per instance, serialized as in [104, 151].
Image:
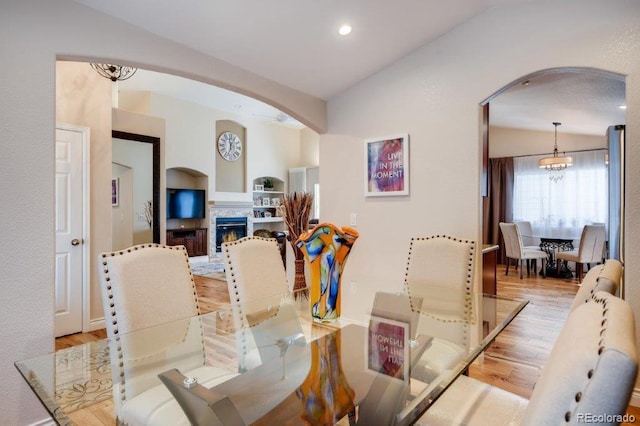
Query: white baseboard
[96, 324]
[44, 422]
[635, 397]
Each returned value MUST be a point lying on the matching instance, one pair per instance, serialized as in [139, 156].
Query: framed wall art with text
[386, 166]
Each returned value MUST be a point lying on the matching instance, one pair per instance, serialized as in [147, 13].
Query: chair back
[144, 286]
[605, 277]
[440, 274]
[255, 273]
[592, 244]
[592, 368]
[526, 234]
[512, 240]
[254, 269]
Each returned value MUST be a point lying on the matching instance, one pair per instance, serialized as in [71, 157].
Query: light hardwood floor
[513, 362]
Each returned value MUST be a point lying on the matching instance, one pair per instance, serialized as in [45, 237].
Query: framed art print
[388, 348]
[115, 191]
[386, 166]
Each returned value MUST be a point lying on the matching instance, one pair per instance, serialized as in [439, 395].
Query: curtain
[498, 205]
[565, 200]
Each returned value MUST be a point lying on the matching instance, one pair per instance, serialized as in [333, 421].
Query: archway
[586, 100]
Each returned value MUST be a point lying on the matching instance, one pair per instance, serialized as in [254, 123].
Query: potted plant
[268, 184]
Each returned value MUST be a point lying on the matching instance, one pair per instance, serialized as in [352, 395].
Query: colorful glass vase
[325, 393]
[326, 248]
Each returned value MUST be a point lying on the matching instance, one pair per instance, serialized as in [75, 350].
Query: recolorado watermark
[605, 418]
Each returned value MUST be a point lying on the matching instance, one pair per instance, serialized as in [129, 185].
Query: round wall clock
[229, 146]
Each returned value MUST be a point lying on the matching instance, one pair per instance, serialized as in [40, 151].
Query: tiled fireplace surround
[227, 209]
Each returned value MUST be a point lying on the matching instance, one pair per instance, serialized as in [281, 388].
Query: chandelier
[114, 72]
[555, 163]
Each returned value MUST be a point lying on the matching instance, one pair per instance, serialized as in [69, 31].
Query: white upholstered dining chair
[591, 372]
[439, 276]
[143, 287]
[605, 277]
[528, 240]
[590, 249]
[514, 248]
[255, 274]
[526, 233]
[251, 269]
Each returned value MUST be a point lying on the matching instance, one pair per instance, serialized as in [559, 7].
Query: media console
[195, 240]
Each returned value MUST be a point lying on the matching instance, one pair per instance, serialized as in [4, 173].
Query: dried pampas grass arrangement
[295, 211]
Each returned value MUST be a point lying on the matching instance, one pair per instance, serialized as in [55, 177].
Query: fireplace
[229, 229]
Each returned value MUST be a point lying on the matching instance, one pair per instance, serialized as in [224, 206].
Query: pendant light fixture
[555, 163]
[114, 72]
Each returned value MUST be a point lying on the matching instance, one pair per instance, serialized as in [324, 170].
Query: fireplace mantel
[229, 204]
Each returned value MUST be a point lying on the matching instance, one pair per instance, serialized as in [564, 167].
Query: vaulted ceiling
[296, 43]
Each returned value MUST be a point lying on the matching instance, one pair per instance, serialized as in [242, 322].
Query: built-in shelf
[273, 197]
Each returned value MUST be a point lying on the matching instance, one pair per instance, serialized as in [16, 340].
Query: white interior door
[69, 224]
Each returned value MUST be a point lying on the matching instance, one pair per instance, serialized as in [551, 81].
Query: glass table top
[267, 361]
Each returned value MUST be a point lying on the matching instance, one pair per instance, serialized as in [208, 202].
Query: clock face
[229, 146]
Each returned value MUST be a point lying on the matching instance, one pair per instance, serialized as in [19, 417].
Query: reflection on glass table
[369, 370]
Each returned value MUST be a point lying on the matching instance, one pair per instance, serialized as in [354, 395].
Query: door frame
[85, 132]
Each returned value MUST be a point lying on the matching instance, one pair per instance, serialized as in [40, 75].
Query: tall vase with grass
[295, 211]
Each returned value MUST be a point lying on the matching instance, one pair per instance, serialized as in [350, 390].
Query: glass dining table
[268, 362]
[553, 241]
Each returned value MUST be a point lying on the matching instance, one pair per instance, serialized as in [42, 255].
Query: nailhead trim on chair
[225, 249]
[114, 318]
[468, 304]
[601, 348]
[594, 289]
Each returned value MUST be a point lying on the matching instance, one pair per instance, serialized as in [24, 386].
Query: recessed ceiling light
[345, 30]
[622, 106]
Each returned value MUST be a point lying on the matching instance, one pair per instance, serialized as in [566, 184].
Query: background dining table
[553, 241]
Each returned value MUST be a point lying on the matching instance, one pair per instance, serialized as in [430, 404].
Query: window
[575, 197]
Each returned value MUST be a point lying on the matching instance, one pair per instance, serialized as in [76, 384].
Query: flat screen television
[185, 203]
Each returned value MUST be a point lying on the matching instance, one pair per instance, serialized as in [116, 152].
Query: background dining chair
[605, 277]
[255, 274]
[591, 372]
[145, 286]
[528, 240]
[514, 248]
[439, 275]
[526, 233]
[589, 251]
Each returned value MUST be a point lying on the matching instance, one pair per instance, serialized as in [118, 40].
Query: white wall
[506, 142]
[309, 148]
[434, 95]
[271, 148]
